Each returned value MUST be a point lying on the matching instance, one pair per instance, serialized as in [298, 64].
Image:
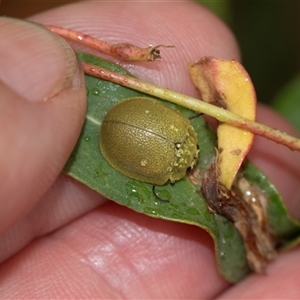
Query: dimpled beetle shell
[148, 141]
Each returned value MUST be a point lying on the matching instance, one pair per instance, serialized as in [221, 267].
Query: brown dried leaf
[245, 205]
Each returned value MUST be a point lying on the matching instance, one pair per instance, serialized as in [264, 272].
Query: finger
[280, 282]
[112, 253]
[66, 200]
[278, 162]
[42, 111]
[203, 34]
[200, 34]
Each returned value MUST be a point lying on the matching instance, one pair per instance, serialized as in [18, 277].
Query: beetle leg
[196, 116]
[157, 197]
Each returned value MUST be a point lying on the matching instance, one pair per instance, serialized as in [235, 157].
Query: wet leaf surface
[186, 204]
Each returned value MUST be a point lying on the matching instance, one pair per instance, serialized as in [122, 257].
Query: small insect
[148, 141]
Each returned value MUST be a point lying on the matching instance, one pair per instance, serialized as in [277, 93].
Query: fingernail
[68, 77]
[35, 63]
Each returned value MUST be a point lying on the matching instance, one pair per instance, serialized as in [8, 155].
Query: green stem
[197, 105]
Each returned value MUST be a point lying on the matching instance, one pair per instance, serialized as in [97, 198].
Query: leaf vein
[93, 120]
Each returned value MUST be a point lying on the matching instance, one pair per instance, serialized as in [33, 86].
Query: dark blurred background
[268, 33]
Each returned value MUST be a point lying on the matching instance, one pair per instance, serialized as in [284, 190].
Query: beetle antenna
[157, 197]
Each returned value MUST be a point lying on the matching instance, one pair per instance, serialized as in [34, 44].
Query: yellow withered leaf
[227, 83]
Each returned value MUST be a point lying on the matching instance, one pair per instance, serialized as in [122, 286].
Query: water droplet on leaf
[95, 91]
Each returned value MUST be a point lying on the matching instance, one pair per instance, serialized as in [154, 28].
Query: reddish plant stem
[197, 105]
[122, 51]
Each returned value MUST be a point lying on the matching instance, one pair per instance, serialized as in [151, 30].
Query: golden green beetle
[148, 141]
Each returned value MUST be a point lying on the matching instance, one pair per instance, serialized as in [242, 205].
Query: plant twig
[197, 105]
[123, 51]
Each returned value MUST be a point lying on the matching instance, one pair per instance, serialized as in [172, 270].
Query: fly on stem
[122, 51]
[129, 52]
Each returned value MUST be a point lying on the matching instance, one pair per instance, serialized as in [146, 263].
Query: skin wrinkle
[88, 260]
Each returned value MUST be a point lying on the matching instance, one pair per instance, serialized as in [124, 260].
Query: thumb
[42, 103]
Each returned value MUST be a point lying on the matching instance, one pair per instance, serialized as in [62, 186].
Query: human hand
[56, 241]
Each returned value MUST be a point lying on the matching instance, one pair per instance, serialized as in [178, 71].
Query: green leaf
[220, 7]
[186, 204]
[287, 102]
[284, 227]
